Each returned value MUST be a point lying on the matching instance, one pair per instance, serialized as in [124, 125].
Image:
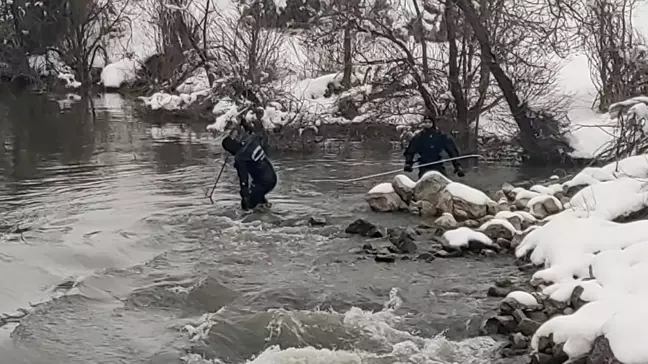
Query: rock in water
[429, 187]
[403, 240]
[404, 187]
[446, 221]
[317, 221]
[519, 341]
[502, 325]
[465, 202]
[385, 258]
[426, 209]
[363, 228]
[498, 291]
[383, 198]
[602, 352]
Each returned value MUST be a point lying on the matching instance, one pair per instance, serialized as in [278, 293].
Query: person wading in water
[428, 145]
[250, 160]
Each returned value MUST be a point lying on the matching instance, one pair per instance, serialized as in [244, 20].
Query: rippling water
[104, 221]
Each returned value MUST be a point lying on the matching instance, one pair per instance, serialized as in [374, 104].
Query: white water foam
[401, 346]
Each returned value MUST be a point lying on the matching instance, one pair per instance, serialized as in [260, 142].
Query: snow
[403, 180]
[381, 188]
[522, 194]
[542, 199]
[116, 74]
[225, 119]
[468, 193]
[50, 64]
[546, 190]
[498, 221]
[461, 236]
[435, 175]
[523, 215]
[524, 298]
[610, 200]
[583, 247]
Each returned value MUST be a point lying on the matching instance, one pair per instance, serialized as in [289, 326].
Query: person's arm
[453, 152]
[410, 152]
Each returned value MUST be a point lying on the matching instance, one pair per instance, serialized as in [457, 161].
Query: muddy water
[103, 221]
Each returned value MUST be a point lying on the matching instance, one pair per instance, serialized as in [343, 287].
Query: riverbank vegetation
[485, 70]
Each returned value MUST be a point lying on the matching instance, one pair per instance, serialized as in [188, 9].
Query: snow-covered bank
[590, 271]
[603, 265]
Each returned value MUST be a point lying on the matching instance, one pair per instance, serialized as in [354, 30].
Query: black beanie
[231, 145]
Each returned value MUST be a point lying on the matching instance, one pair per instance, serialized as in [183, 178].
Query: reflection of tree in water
[174, 147]
[42, 134]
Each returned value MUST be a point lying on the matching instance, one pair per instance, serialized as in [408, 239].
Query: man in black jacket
[250, 160]
[428, 144]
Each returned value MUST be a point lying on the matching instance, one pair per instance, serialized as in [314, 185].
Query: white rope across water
[398, 170]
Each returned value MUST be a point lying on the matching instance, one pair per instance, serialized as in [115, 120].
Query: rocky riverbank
[582, 302]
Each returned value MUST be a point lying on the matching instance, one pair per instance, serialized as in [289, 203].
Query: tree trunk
[453, 75]
[518, 109]
[348, 63]
[424, 59]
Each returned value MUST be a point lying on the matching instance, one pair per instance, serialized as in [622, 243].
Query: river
[105, 223]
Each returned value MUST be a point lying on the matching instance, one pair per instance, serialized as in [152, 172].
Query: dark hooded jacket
[250, 160]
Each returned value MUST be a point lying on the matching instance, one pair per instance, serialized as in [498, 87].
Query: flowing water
[105, 223]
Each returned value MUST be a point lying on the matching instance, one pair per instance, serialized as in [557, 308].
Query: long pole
[217, 179]
[398, 170]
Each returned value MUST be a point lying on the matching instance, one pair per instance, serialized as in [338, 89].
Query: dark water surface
[103, 218]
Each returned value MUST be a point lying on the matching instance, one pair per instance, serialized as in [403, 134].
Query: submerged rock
[383, 198]
[317, 221]
[403, 240]
[498, 291]
[499, 325]
[385, 258]
[427, 257]
[363, 228]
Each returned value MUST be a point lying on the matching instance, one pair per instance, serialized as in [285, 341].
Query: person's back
[250, 160]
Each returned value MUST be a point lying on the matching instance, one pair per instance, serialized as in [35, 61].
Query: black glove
[459, 172]
[408, 168]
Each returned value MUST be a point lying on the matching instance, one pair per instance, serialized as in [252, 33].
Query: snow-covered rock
[446, 221]
[465, 238]
[544, 205]
[383, 198]
[465, 202]
[429, 187]
[498, 228]
[522, 197]
[404, 187]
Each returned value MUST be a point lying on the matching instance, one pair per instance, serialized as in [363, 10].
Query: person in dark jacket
[428, 145]
[250, 160]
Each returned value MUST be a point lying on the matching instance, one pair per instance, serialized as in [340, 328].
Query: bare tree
[549, 33]
[616, 52]
[87, 23]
